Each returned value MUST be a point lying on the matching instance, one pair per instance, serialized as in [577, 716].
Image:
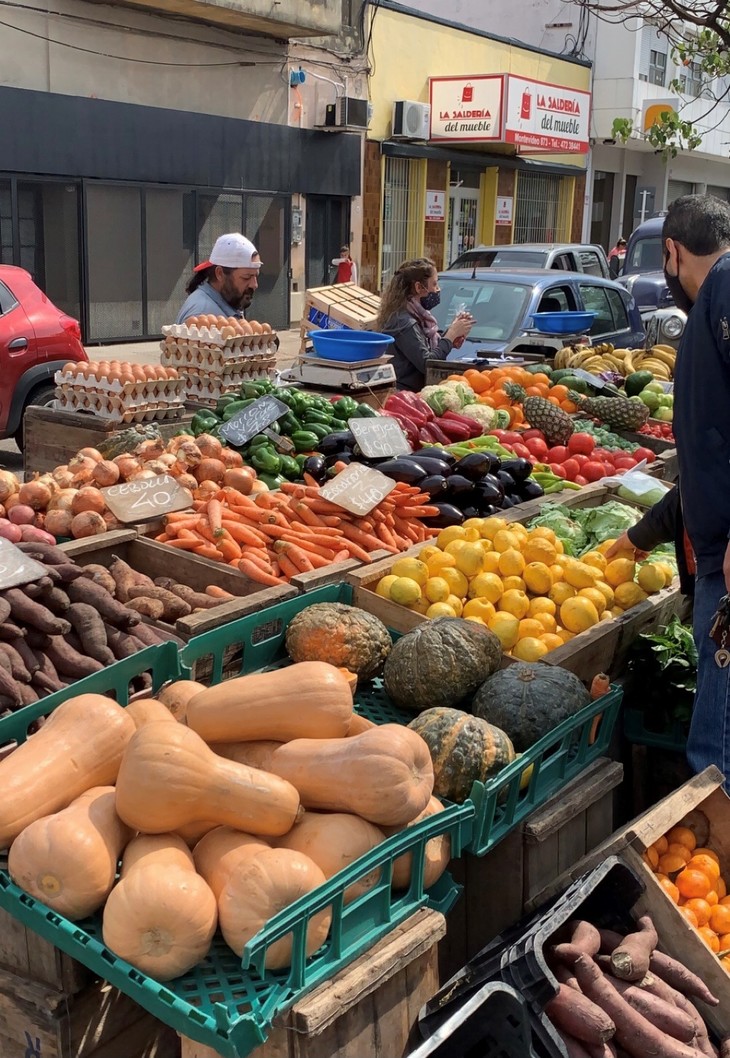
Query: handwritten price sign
[148, 498]
[17, 568]
[252, 420]
[380, 438]
[358, 489]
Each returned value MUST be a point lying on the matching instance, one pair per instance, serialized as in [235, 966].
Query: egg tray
[113, 409]
[99, 402]
[152, 389]
[213, 336]
[210, 366]
[200, 389]
[182, 355]
[233, 374]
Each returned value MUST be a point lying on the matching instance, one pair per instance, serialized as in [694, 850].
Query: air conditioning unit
[347, 112]
[411, 121]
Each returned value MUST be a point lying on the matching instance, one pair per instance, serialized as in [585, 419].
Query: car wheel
[42, 396]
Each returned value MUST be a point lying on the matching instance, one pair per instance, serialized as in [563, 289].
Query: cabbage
[606, 522]
[560, 519]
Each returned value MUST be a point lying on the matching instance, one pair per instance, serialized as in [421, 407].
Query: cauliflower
[483, 414]
[448, 396]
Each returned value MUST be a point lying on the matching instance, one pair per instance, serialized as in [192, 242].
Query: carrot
[218, 593]
[579, 1016]
[291, 488]
[162, 538]
[296, 555]
[254, 573]
[262, 561]
[308, 478]
[386, 537]
[357, 536]
[308, 546]
[229, 549]
[215, 516]
[234, 497]
[184, 544]
[208, 551]
[242, 533]
[418, 512]
[287, 567]
[630, 960]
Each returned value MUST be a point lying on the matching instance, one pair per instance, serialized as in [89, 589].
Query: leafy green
[564, 524]
[662, 675]
[606, 522]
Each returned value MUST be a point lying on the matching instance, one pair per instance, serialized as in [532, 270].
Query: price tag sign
[358, 489]
[17, 568]
[252, 420]
[380, 438]
[593, 380]
[148, 498]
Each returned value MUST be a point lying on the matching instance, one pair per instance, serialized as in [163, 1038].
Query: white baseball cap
[232, 251]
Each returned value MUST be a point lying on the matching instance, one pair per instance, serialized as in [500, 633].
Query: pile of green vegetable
[583, 529]
[662, 676]
[604, 438]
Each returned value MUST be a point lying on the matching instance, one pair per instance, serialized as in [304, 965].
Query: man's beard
[235, 300]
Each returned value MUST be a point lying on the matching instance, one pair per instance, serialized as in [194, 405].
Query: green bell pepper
[305, 440]
[315, 415]
[300, 460]
[289, 467]
[318, 428]
[364, 411]
[234, 407]
[257, 388]
[345, 408]
[223, 403]
[186, 431]
[203, 422]
[265, 460]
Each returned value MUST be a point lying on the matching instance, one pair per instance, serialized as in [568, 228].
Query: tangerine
[690, 916]
[671, 864]
[692, 883]
[701, 909]
[721, 887]
[725, 942]
[680, 850]
[661, 845]
[707, 852]
[682, 836]
[711, 939]
[712, 898]
[670, 889]
[726, 962]
[705, 863]
[720, 918]
[651, 856]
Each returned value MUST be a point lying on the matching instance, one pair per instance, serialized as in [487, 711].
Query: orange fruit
[692, 883]
[707, 852]
[670, 889]
[721, 887]
[725, 942]
[725, 899]
[720, 919]
[680, 850]
[706, 864]
[661, 845]
[671, 864]
[725, 962]
[651, 856]
[712, 898]
[690, 916]
[682, 836]
[711, 939]
[701, 908]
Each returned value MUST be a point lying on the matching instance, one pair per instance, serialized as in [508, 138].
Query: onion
[156, 466]
[206, 490]
[83, 456]
[187, 481]
[105, 473]
[83, 470]
[9, 485]
[88, 499]
[111, 520]
[21, 514]
[88, 523]
[35, 494]
[176, 443]
[11, 501]
[63, 500]
[10, 531]
[240, 478]
[128, 465]
[32, 535]
[50, 482]
[150, 449]
[168, 460]
[2, 511]
[58, 522]
[259, 486]
[63, 477]
[210, 447]
[142, 474]
[231, 458]
[189, 453]
[210, 470]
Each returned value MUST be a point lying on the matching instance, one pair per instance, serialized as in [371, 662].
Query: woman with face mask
[405, 313]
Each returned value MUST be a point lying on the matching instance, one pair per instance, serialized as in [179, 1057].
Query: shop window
[48, 225]
[403, 205]
[692, 80]
[543, 208]
[114, 240]
[169, 260]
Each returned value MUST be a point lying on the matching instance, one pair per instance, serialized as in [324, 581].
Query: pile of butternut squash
[225, 804]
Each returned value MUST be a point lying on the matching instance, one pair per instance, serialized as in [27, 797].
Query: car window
[7, 300]
[595, 300]
[498, 308]
[500, 258]
[646, 256]
[557, 299]
[619, 311]
[590, 263]
[564, 261]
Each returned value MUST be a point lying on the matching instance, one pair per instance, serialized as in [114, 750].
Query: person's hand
[726, 567]
[624, 544]
[460, 327]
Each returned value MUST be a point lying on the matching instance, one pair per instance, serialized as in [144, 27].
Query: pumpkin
[254, 754]
[69, 860]
[261, 887]
[145, 710]
[161, 916]
[192, 833]
[464, 750]
[384, 775]
[334, 840]
[440, 663]
[79, 746]
[175, 697]
[309, 700]
[358, 724]
[342, 635]
[528, 700]
[221, 852]
[438, 852]
[169, 777]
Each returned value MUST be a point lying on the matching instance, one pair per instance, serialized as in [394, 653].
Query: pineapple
[616, 412]
[542, 415]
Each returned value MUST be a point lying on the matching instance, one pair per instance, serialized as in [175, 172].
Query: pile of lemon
[520, 584]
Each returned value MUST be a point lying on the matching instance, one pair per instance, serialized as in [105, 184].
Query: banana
[666, 358]
[665, 349]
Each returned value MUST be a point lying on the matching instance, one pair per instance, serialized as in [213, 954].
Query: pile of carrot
[273, 536]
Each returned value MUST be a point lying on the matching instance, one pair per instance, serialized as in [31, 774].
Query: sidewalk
[149, 352]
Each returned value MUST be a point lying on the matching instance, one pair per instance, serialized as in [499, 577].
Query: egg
[192, 321]
[228, 332]
[245, 327]
[138, 372]
[125, 377]
[266, 328]
[256, 327]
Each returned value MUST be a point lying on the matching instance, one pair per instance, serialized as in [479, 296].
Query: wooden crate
[344, 303]
[24, 954]
[37, 1021]
[368, 1009]
[51, 437]
[499, 887]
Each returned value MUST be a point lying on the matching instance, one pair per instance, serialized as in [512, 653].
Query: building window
[657, 67]
[543, 207]
[404, 200]
[691, 80]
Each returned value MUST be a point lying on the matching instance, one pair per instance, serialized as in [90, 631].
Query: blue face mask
[431, 300]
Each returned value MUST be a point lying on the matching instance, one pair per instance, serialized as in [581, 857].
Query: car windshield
[510, 257]
[646, 256]
[498, 308]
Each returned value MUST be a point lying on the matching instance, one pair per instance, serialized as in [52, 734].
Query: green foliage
[662, 675]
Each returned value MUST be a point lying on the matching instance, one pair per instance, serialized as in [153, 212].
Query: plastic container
[494, 1023]
[348, 346]
[673, 738]
[562, 322]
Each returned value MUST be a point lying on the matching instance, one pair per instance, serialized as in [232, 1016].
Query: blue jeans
[709, 733]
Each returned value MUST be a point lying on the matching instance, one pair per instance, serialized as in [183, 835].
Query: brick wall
[371, 207]
[505, 189]
[434, 243]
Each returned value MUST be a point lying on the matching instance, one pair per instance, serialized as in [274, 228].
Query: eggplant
[495, 463]
[489, 510]
[435, 453]
[491, 489]
[515, 499]
[471, 512]
[343, 440]
[436, 485]
[403, 470]
[339, 457]
[530, 490]
[507, 503]
[430, 464]
[508, 482]
[475, 466]
[520, 469]
[447, 515]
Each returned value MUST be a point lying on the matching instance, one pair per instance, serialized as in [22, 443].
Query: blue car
[503, 303]
[643, 277]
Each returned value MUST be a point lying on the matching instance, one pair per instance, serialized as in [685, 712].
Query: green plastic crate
[673, 738]
[500, 805]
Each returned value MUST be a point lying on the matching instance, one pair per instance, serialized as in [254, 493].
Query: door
[463, 218]
[328, 229]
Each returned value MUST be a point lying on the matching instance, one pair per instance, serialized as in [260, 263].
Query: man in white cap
[224, 285]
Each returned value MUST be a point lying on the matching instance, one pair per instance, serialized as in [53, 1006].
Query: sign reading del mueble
[466, 109]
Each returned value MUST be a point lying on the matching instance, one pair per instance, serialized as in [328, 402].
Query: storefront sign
[653, 109]
[504, 211]
[546, 117]
[435, 205]
[466, 109]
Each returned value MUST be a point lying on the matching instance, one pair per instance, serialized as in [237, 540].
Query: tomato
[523, 452]
[593, 470]
[527, 435]
[606, 454]
[581, 442]
[557, 469]
[580, 480]
[511, 437]
[571, 468]
[538, 448]
[557, 454]
[626, 463]
[644, 453]
[580, 459]
[499, 434]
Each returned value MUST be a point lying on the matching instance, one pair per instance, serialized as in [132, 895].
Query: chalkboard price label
[592, 380]
[16, 567]
[358, 489]
[380, 438]
[254, 419]
[147, 498]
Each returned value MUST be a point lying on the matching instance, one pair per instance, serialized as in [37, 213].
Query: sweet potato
[46, 678]
[196, 600]
[610, 940]
[38, 588]
[112, 612]
[172, 606]
[43, 552]
[57, 601]
[564, 976]
[91, 630]
[630, 960]
[9, 630]
[148, 635]
[151, 608]
[69, 662]
[574, 1013]
[37, 640]
[101, 576]
[29, 612]
[574, 1048]
[681, 978]
[4, 610]
[567, 953]
[27, 694]
[666, 1016]
[122, 644]
[69, 573]
[18, 667]
[583, 935]
[30, 661]
[125, 578]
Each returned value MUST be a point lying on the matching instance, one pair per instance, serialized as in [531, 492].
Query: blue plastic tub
[563, 322]
[348, 346]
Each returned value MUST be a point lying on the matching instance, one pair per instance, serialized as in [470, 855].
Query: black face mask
[430, 301]
[680, 296]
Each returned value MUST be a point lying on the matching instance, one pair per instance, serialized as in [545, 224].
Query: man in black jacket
[661, 524]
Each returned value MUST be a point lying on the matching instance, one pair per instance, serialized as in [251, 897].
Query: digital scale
[333, 374]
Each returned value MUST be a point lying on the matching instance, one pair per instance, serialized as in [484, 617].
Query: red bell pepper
[410, 405]
[475, 428]
[455, 430]
[431, 433]
[409, 428]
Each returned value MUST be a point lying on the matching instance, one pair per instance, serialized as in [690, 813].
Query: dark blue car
[503, 303]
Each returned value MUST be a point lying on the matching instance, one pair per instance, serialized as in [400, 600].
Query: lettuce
[565, 526]
[606, 522]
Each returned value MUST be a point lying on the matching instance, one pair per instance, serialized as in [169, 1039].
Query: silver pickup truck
[565, 256]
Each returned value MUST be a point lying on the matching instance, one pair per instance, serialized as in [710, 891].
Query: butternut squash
[384, 775]
[254, 754]
[161, 916]
[221, 852]
[359, 724]
[169, 778]
[69, 860]
[145, 710]
[192, 833]
[80, 746]
[334, 840]
[438, 852]
[257, 888]
[309, 700]
[175, 697]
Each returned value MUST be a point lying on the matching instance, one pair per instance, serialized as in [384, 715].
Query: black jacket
[412, 350]
[662, 523]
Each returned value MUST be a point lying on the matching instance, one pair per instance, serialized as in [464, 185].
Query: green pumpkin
[529, 699]
[440, 663]
[464, 750]
[344, 636]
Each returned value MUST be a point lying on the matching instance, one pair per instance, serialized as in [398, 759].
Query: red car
[36, 339]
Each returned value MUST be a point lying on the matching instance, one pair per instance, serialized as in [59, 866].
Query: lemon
[537, 578]
[472, 535]
[451, 532]
[538, 549]
[456, 581]
[474, 523]
[511, 563]
[486, 586]
[491, 560]
[541, 532]
[560, 592]
[605, 616]
[439, 609]
[551, 640]
[578, 614]
[506, 628]
[617, 611]
[515, 602]
[441, 560]
[548, 622]
[595, 559]
[383, 588]
[454, 546]
[437, 589]
[606, 591]
[412, 568]
[629, 594]
[579, 575]
[559, 546]
[456, 604]
[619, 571]
[565, 635]
[597, 598]
[481, 608]
[428, 552]
[605, 546]
[542, 605]
[404, 591]
[557, 573]
[651, 578]
[505, 541]
[668, 572]
[529, 649]
[421, 606]
[476, 620]
[519, 531]
[530, 627]
[469, 560]
[513, 584]
[491, 526]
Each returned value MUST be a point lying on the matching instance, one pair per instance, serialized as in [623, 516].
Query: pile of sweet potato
[61, 628]
[618, 996]
[162, 599]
